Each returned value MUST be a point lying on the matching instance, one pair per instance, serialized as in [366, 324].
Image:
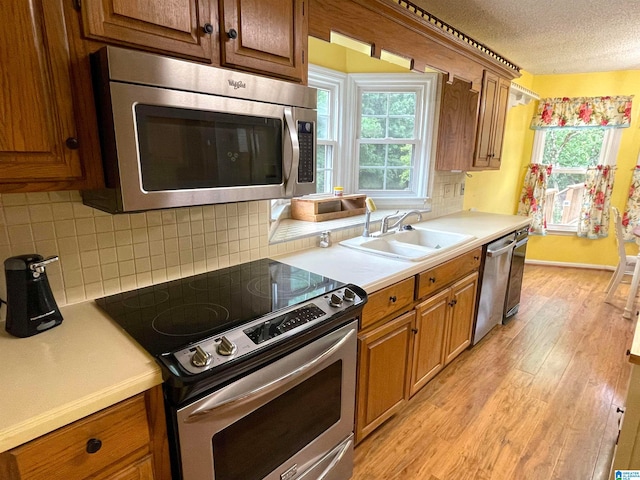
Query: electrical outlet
[448, 191]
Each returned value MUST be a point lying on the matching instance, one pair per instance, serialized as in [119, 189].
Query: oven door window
[258, 443]
[182, 149]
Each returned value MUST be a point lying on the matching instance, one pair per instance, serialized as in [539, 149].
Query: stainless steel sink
[413, 245]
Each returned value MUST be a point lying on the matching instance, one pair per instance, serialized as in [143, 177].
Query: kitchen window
[571, 151]
[331, 87]
[375, 134]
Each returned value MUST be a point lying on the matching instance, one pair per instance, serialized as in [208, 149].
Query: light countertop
[373, 272]
[83, 365]
[88, 363]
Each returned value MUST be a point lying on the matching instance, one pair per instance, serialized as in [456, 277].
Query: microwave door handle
[290, 177]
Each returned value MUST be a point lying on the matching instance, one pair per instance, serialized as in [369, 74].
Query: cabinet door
[267, 36]
[500, 117]
[457, 128]
[182, 27]
[38, 136]
[383, 356]
[429, 340]
[493, 112]
[462, 309]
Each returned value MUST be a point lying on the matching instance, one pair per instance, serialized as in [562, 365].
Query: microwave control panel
[306, 170]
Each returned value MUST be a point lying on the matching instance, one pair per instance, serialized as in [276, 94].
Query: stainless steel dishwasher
[512, 302]
[495, 279]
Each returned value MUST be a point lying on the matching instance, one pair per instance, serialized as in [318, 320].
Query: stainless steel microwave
[176, 133]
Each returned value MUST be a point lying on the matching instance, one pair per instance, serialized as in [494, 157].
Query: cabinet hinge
[77, 4]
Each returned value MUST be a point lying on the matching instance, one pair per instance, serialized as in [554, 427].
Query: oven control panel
[266, 330]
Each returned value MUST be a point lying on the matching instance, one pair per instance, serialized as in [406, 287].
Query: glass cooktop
[171, 315]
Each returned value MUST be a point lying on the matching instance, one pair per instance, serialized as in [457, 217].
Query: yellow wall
[499, 191]
[337, 57]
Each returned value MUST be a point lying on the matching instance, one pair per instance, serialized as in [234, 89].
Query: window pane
[371, 179]
[323, 127]
[398, 179]
[373, 127]
[320, 182]
[573, 147]
[402, 104]
[401, 127]
[564, 191]
[400, 155]
[374, 103]
[372, 155]
[321, 155]
[323, 101]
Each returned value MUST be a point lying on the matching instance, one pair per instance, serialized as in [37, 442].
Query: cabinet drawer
[435, 278]
[387, 301]
[121, 429]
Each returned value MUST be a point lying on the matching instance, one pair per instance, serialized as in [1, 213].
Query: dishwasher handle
[501, 250]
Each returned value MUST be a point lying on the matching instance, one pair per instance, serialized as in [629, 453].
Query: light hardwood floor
[535, 399]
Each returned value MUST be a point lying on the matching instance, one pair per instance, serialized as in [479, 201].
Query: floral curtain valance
[583, 112]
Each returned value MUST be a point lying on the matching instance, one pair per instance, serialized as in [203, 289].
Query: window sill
[562, 231]
[288, 229]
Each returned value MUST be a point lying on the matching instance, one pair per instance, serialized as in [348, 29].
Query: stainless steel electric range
[259, 367]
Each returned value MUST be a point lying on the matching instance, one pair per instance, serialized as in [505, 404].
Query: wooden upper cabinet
[493, 113]
[182, 27]
[38, 137]
[457, 127]
[267, 36]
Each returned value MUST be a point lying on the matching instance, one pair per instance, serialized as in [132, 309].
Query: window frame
[346, 101]
[608, 157]
[425, 86]
[335, 82]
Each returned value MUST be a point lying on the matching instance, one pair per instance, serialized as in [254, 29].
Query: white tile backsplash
[102, 254]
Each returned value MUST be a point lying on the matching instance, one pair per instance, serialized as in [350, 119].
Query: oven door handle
[270, 386]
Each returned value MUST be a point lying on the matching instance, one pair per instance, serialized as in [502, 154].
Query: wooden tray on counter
[320, 209]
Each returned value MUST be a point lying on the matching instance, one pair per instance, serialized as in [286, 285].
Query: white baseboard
[572, 265]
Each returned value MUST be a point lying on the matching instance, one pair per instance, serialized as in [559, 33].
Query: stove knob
[226, 348]
[349, 295]
[201, 358]
[335, 300]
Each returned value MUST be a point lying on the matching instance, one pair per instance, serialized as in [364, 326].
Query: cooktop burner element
[169, 316]
[190, 319]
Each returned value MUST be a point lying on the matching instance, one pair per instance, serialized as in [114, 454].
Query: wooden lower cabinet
[462, 312]
[383, 372]
[429, 340]
[443, 330]
[126, 442]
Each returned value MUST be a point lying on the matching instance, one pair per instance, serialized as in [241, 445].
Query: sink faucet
[398, 223]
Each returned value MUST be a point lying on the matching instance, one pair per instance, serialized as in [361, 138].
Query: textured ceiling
[550, 36]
